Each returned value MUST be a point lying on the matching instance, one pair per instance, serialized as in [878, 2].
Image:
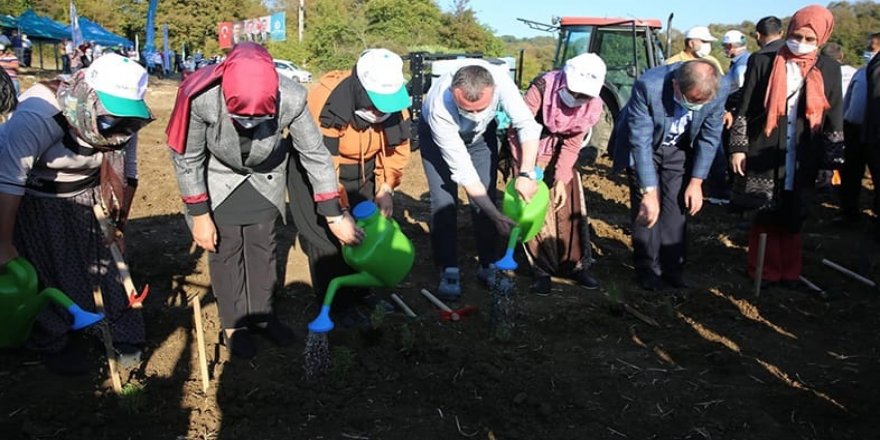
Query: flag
[278, 27]
[224, 34]
[150, 43]
[75, 31]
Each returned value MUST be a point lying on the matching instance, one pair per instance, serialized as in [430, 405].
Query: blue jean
[444, 200]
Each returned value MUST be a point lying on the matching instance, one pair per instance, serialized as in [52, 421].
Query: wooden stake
[759, 271]
[200, 340]
[406, 310]
[108, 342]
[848, 272]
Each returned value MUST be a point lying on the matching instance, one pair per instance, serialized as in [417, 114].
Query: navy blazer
[645, 121]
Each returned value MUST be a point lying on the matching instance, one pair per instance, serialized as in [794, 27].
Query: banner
[75, 32]
[224, 34]
[260, 30]
[150, 43]
[278, 26]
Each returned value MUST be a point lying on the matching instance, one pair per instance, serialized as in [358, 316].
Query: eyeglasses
[803, 38]
[110, 125]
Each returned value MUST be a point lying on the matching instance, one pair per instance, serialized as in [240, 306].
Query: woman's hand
[204, 232]
[738, 163]
[384, 200]
[559, 195]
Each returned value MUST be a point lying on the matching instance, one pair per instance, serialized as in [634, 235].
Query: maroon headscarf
[250, 87]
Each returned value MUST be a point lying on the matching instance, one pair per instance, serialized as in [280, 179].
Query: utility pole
[300, 19]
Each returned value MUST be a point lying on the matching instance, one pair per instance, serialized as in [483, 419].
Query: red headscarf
[820, 20]
[250, 87]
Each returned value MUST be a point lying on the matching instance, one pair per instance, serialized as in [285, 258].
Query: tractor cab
[628, 47]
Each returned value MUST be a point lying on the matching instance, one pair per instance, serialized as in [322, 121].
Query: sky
[501, 15]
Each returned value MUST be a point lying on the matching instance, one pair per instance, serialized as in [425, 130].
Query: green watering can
[20, 303]
[529, 217]
[382, 259]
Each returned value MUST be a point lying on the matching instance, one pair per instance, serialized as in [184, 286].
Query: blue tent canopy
[8, 21]
[92, 31]
[41, 27]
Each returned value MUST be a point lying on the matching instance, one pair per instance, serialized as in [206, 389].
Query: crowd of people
[248, 146]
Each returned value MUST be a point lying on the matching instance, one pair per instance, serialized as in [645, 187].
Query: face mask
[477, 117]
[868, 55]
[371, 116]
[798, 48]
[569, 100]
[249, 122]
[682, 101]
[704, 50]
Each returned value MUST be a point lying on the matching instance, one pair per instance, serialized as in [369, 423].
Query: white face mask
[373, 117]
[682, 101]
[868, 55]
[798, 48]
[569, 100]
[704, 50]
[477, 117]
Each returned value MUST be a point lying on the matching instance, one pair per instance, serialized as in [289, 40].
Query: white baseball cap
[699, 33]
[380, 71]
[733, 37]
[585, 74]
[120, 84]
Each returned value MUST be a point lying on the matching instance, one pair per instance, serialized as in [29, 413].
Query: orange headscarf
[820, 20]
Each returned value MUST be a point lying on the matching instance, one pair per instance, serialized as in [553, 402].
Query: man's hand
[738, 163]
[503, 224]
[728, 120]
[526, 188]
[204, 232]
[649, 210]
[558, 195]
[384, 200]
[345, 230]
[693, 196]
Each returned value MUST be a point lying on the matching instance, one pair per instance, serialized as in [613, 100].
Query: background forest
[337, 30]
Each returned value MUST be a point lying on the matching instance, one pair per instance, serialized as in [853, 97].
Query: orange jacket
[357, 147]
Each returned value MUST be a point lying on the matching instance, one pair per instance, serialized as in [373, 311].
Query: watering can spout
[323, 323]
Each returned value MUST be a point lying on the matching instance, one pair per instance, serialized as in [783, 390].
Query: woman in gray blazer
[231, 131]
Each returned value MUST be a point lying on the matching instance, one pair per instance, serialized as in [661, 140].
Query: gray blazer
[211, 167]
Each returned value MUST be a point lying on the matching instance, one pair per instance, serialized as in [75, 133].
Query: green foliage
[377, 317]
[132, 398]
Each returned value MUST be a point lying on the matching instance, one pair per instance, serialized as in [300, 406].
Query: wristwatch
[531, 174]
[647, 189]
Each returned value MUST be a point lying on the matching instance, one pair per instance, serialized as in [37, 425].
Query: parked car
[290, 70]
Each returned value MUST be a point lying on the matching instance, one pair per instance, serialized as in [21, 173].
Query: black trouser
[243, 273]
[662, 248]
[857, 155]
[319, 244]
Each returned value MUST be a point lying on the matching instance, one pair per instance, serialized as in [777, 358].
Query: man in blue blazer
[666, 137]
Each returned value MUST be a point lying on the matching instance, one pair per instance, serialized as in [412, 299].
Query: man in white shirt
[456, 114]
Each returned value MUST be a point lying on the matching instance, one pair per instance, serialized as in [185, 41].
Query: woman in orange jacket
[362, 115]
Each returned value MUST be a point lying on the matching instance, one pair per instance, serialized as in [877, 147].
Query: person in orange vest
[363, 116]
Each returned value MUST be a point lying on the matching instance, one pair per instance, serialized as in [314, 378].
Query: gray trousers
[243, 273]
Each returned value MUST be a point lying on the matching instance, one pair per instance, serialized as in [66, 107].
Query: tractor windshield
[574, 41]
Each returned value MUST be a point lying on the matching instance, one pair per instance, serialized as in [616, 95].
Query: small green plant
[377, 317]
[343, 362]
[132, 398]
[407, 338]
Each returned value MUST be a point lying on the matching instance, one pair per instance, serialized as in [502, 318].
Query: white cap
[585, 74]
[120, 84]
[733, 37]
[699, 33]
[380, 71]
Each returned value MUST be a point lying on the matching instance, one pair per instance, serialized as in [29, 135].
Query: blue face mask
[868, 55]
